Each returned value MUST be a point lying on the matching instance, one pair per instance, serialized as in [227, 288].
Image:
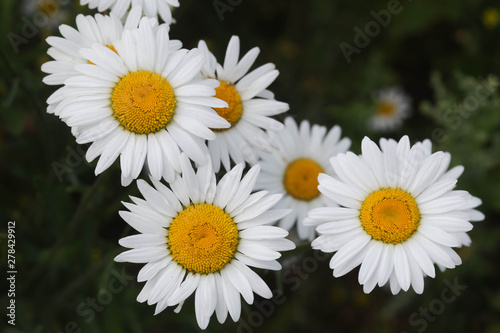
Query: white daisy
[392, 106]
[151, 8]
[294, 167]
[202, 236]
[250, 105]
[400, 214]
[101, 29]
[142, 104]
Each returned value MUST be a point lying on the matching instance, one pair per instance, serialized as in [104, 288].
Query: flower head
[150, 8]
[250, 105]
[303, 153]
[400, 214]
[141, 102]
[99, 29]
[392, 106]
[201, 237]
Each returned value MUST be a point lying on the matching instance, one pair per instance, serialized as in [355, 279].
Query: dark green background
[68, 227]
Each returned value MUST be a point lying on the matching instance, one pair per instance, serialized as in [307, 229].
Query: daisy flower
[392, 106]
[201, 237]
[293, 169]
[141, 103]
[250, 105]
[101, 29]
[151, 8]
[400, 214]
[50, 10]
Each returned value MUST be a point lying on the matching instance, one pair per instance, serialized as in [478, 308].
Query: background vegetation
[441, 52]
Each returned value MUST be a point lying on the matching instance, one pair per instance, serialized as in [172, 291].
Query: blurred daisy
[201, 237]
[392, 106]
[151, 8]
[49, 10]
[293, 169]
[400, 214]
[141, 103]
[491, 17]
[101, 29]
[250, 105]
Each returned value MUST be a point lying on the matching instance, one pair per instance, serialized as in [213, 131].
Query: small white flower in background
[392, 107]
[142, 103]
[201, 237]
[49, 10]
[303, 153]
[250, 105]
[400, 214]
[151, 8]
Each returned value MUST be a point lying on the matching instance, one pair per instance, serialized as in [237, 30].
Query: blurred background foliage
[444, 54]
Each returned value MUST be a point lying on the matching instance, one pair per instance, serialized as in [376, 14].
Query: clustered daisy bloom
[143, 103]
[151, 8]
[250, 105]
[133, 93]
[392, 107]
[400, 214]
[293, 168]
[201, 237]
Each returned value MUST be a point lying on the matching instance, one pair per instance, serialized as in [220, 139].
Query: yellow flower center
[301, 179]
[111, 47]
[228, 93]
[390, 215]
[202, 238]
[386, 109]
[143, 102]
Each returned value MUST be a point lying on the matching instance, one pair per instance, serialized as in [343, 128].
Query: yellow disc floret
[386, 109]
[202, 238]
[390, 215]
[301, 179]
[228, 93]
[143, 102]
